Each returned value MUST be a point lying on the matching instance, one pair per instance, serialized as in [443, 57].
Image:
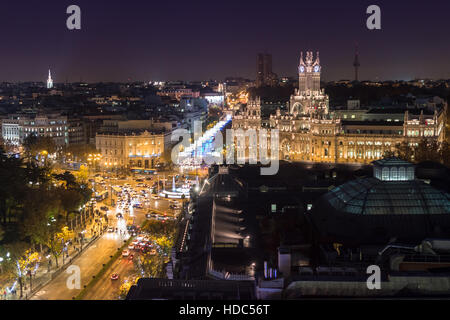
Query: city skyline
[198, 41]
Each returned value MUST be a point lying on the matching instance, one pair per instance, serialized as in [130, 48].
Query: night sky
[200, 40]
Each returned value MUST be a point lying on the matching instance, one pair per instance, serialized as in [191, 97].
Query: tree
[151, 265]
[404, 151]
[79, 152]
[125, 287]
[165, 243]
[35, 146]
[57, 238]
[39, 207]
[21, 262]
[158, 229]
[71, 201]
[427, 150]
[68, 180]
[14, 184]
[82, 175]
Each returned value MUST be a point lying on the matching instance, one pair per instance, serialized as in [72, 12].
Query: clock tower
[309, 98]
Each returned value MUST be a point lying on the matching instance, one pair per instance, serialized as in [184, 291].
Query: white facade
[18, 127]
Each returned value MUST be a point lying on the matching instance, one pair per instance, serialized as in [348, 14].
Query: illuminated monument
[309, 131]
[309, 98]
[49, 80]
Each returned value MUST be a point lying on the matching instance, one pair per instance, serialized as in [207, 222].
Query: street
[97, 254]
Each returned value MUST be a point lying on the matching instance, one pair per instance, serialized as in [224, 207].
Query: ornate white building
[310, 132]
[309, 98]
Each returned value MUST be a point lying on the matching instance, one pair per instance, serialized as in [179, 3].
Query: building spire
[302, 62]
[49, 80]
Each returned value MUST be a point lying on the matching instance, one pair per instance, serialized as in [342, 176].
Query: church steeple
[49, 80]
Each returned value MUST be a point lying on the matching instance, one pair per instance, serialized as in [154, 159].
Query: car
[154, 197]
[115, 276]
[131, 247]
[110, 229]
[125, 253]
[144, 249]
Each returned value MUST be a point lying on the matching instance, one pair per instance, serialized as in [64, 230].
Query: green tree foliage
[426, 150]
[34, 209]
[35, 146]
[79, 152]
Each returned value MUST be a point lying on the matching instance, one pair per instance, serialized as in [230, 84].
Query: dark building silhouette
[264, 74]
[356, 64]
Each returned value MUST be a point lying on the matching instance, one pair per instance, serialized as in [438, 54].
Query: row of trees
[35, 208]
[426, 150]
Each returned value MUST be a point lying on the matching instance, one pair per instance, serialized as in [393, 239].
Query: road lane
[92, 259]
[90, 263]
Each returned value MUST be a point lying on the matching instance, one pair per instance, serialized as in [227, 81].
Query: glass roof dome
[371, 196]
[393, 190]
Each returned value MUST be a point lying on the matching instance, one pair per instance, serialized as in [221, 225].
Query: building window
[385, 174]
[402, 174]
[394, 176]
[410, 173]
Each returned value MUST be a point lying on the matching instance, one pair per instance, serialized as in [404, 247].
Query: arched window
[402, 174]
[385, 174]
[410, 173]
[394, 172]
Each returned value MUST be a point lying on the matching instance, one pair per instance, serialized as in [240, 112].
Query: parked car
[125, 253]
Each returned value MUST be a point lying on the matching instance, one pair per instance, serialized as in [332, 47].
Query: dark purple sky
[196, 40]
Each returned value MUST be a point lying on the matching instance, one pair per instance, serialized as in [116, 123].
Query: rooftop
[371, 196]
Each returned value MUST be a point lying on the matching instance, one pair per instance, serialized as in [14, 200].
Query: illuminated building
[310, 132]
[309, 98]
[18, 127]
[390, 204]
[49, 80]
[130, 149]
